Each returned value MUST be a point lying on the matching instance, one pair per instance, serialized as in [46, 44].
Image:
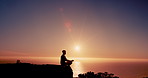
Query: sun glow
[77, 48]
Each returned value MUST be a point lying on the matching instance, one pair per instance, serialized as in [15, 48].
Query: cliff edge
[35, 70]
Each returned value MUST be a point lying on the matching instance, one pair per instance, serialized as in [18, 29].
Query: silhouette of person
[64, 61]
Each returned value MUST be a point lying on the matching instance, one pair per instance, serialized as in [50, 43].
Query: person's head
[64, 52]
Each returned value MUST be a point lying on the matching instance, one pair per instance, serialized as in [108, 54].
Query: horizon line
[103, 58]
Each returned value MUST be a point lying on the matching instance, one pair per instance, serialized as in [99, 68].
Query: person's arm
[66, 59]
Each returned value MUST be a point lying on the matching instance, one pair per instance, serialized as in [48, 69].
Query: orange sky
[100, 28]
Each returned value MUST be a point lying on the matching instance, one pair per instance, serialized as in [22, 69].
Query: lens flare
[68, 25]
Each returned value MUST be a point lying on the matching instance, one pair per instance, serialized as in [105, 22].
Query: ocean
[123, 68]
[120, 68]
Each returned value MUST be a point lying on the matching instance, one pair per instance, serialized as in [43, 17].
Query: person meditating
[64, 61]
[65, 64]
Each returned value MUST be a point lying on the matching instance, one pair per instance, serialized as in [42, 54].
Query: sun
[77, 48]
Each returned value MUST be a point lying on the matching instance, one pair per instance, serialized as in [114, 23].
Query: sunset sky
[85, 28]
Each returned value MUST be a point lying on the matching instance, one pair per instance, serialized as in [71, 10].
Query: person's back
[63, 59]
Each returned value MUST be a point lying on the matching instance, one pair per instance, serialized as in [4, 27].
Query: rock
[33, 70]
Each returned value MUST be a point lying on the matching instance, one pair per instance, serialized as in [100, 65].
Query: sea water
[121, 68]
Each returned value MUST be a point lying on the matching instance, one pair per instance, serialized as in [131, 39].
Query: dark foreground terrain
[27, 70]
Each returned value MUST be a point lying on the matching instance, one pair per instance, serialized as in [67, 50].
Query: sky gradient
[101, 28]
